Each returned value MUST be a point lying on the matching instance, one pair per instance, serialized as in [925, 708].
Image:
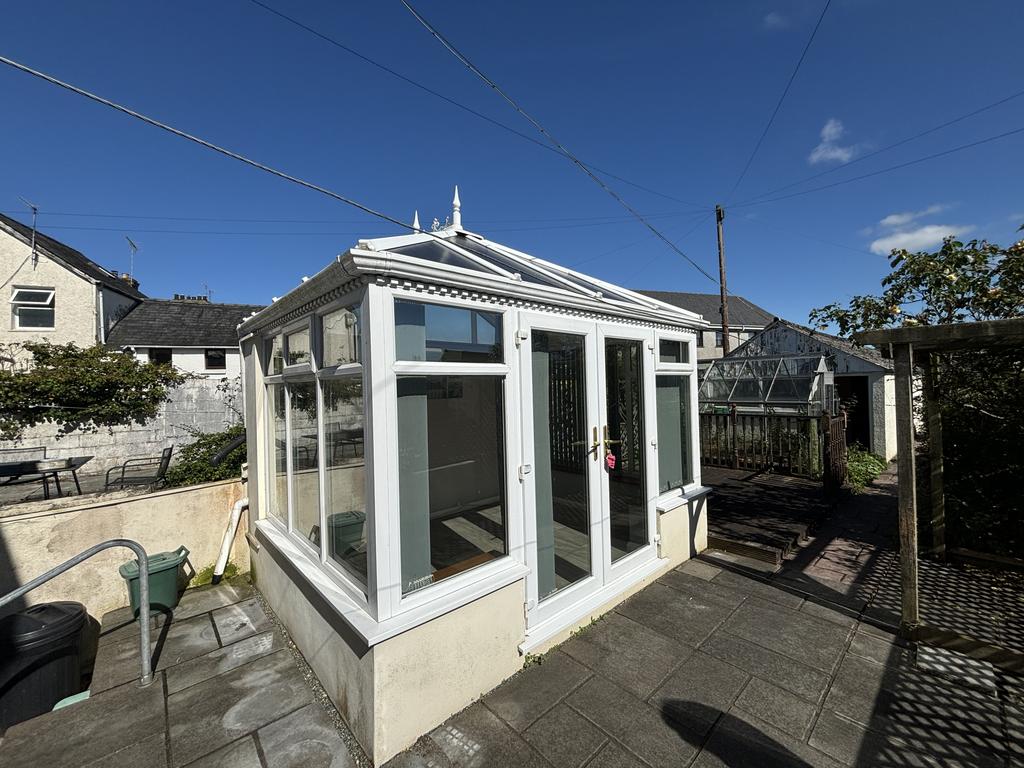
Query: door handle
[593, 448]
[608, 442]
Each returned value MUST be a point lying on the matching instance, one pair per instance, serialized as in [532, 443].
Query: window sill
[669, 503]
[369, 630]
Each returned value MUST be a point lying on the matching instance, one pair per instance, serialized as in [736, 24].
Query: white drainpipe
[229, 534]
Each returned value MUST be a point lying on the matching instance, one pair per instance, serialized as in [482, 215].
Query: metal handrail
[140, 553]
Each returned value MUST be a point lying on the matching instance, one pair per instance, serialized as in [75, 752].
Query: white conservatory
[459, 453]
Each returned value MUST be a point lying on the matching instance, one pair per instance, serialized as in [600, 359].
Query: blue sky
[671, 96]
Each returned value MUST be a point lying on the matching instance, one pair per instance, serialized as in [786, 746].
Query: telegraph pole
[719, 217]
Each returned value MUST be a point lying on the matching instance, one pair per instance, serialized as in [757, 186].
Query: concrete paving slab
[957, 668]
[700, 569]
[150, 752]
[304, 739]
[891, 653]
[697, 693]
[776, 706]
[237, 754]
[171, 644]
[476, 737]
[614, 756]
[854, 745]
[662, 741]
[757, 588]
[740, 740]
[772, 667]
[605, 704]
[88, 731]
[565, 738]
[796, 635]
[702, 589]
[836, 614]
[222, 660]
[522, 699]
[627, 653]
[205, 599]
[687, 619]
[218, 711]
[241, 620]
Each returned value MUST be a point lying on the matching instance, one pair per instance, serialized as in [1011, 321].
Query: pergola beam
[983, 334]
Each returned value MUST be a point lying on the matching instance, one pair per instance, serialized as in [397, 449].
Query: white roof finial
[416, 220]
[457, 210]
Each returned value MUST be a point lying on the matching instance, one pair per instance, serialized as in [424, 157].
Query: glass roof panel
[434, 250]
[492, 256]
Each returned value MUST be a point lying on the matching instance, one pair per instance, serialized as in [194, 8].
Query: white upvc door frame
[540, 611]
[605, 332]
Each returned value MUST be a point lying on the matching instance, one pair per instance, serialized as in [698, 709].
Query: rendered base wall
[36, 536]
[403, 687]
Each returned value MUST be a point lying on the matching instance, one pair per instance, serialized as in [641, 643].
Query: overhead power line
[469, 110]
[879, 172]
[778, 104]
[899, 143]
[204, 143]
[536, 124]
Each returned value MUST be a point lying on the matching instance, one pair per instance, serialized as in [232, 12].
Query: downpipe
[229, 537]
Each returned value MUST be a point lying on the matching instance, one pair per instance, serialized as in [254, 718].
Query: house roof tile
[177, 323]
[741, 311]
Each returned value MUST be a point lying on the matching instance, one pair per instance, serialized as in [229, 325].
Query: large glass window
[279, 449]
[451, 462]
[298, 347]
[341, 337]
[673, 351]
[624, 439]
[305, 476]
[345, 478]
[32, 308]
[441, 333]
[675, 460]
[276, 356]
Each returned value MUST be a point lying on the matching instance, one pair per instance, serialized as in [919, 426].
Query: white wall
[709, 351]
[115, 307]
[193, 360]
[74, 301]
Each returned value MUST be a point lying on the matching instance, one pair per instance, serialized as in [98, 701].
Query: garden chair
[147, 471]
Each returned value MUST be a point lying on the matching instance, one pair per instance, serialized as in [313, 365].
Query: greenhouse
[459, 453]
[780, 384]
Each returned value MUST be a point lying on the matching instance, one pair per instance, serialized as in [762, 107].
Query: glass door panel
[563, 451]
[625, 449]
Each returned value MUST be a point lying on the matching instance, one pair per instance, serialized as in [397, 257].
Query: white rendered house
[458, 454]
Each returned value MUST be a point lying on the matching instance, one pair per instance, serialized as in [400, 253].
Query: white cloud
[775, 20]
[894, 220]
[917, 239]
[829, 149]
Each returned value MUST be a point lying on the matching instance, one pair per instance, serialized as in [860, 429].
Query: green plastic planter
[163, 580]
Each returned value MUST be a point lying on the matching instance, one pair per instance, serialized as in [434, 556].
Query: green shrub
[194, 461]
[862, 467]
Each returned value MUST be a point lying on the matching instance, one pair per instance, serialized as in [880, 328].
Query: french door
[589, 481]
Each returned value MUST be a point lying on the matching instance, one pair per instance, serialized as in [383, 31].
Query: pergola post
[903, 359]
[937, 497]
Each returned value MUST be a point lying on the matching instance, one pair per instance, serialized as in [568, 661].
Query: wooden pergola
[908, 347]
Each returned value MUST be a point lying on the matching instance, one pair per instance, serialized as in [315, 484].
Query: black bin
[40, 662]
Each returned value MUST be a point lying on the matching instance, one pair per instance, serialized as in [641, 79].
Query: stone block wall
[197, 404]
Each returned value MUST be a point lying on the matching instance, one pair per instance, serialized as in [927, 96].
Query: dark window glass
[279, 447]
[673, 351]
[216, 360]
[451, 464]
[718, 338]
[436, 251]
[160, 355]
[675, 465]
[441, 333]
[345, 473]
[624, 439]
[305, 474]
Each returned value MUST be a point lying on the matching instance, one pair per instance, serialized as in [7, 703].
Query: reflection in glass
[436, 332]
[624, 383]
[305, 477]
[279, 480]
[673, 351]
[341, 336]
[298, 347]
[451, 466]
[345, 473]
[561, 457]
[276, 355]
[675, 464]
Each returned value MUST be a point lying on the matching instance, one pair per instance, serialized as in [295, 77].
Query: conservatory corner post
[904, 365]
[935, 456]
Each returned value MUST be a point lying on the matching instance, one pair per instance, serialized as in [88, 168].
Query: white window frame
[362, 596]
[457, 590]
[680, 369]
[16, 305]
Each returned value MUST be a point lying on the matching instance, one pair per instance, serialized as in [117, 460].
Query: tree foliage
[195, 460]
[979, 393]
[81, 389]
